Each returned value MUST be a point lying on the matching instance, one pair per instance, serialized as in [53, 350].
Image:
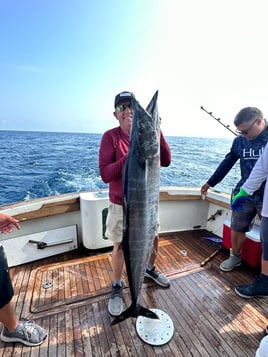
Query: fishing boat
[60, 264]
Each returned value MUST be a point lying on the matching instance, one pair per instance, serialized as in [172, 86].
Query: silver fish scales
[140, 201]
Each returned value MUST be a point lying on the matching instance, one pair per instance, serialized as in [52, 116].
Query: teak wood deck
[68, 295]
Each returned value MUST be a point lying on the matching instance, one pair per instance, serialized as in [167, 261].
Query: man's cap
[122, 97]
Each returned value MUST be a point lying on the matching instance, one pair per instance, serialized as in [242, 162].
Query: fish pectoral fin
[134, 310]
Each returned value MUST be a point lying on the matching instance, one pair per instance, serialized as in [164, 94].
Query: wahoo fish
[140, 201]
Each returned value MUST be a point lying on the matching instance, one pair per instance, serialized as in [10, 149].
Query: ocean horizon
[38, 164]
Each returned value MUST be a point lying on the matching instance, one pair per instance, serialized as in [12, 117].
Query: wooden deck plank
[67, 283]
[84, 279]
[78, 342]
[61, 338]
[73, 280]
[230, 302]
[209, 318]
[78, 276]
[85, 331]
[185, 324]
[53, 332]
[102, 336]
[90, 279]
[112, 346]
[69, 334]
[94, 330]
[60, 284]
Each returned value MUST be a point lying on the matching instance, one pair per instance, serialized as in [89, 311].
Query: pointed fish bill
[140, 201]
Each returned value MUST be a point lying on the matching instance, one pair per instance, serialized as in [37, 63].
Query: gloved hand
[238, 200]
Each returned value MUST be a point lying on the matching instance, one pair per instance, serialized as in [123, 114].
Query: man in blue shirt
[246, 147]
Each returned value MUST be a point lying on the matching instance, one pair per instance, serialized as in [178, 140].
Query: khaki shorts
[114, 223]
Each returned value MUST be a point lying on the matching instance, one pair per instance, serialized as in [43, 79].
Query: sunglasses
[245, 132]
[122, 107]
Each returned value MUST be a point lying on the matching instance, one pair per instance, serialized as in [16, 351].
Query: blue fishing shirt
[248, 152]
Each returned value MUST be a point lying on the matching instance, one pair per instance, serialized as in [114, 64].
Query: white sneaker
[28, 333]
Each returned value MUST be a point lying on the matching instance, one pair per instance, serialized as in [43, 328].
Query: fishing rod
[219, 121]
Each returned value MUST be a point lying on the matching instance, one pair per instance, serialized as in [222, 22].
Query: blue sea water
[40, 164]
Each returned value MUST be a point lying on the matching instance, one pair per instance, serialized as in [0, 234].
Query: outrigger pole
[219, 121]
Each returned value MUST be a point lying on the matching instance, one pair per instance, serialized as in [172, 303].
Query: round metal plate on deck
[155, 332]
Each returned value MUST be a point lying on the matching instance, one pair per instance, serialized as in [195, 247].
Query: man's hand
[204, 189]
[238, 200]
[7, 223]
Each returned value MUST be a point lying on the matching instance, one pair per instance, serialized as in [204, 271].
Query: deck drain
[47, 285]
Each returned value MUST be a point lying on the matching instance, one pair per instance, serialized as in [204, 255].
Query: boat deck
[68, 295]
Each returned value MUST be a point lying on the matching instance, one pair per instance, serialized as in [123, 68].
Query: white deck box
[31, 247]
[93, 207]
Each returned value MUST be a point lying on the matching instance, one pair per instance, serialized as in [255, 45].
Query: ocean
[40, 164]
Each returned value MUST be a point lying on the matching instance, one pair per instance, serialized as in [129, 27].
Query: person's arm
[7, 222]
[165, 154]
[257, 176]
[109, 169]
[223, 169]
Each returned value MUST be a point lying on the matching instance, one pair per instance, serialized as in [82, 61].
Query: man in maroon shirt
[112, 157]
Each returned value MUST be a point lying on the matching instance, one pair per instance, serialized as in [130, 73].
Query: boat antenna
[219, 121]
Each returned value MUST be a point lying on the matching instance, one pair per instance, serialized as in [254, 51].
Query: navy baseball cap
[122, 97]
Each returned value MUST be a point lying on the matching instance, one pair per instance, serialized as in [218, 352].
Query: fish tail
[143, 311]
[134, 310]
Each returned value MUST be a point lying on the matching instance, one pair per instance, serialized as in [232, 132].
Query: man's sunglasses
[245, 132]
[122, 107]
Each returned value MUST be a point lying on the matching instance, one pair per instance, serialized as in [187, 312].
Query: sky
[62, 62]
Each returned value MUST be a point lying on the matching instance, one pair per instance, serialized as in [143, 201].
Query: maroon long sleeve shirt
[112, 157]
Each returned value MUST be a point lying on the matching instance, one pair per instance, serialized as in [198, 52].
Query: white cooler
[93, 207]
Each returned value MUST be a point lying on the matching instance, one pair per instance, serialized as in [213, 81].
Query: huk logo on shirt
[252, 154]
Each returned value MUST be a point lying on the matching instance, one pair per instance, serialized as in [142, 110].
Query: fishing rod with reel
[219, 121]
[204, 262]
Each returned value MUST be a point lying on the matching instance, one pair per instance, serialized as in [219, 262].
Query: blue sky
[62, 62]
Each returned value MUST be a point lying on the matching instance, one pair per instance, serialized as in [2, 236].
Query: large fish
[140, 201]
